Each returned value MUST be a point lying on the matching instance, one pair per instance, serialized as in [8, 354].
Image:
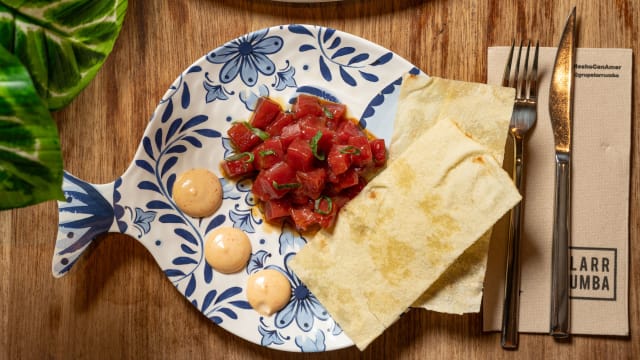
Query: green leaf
[62, 44]
[49, 51]
[30, 159]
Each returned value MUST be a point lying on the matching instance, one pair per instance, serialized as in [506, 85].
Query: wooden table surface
[116, 303]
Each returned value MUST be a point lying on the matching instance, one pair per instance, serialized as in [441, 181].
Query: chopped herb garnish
[267, 152]
[327, 112]
[260, 133]
[239, 156]
[314, 145]
[263, 135]
[350, 150]
[318, 202]
[285, 186]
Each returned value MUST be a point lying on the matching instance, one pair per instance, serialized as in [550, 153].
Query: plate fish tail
[87, 211]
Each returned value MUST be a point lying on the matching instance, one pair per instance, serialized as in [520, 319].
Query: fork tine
[507, 68]
[533, 78]
[523, 82]
[517, 70]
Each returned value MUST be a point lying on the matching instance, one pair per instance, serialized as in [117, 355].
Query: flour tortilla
[407, 226]
[483, 112]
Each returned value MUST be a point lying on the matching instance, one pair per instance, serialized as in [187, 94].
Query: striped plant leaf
[30, 160]
[63, 44]
[49, 51]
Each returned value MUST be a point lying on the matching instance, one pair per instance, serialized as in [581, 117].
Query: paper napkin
[600, 200]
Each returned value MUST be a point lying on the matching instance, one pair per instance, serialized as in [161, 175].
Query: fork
[523, 120]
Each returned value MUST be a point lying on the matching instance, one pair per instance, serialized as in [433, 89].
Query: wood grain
[117, 304]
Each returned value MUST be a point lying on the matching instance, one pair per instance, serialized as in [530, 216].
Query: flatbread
[483, 112]
[407, 226]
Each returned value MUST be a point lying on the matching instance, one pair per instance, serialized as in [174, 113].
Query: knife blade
[561, 113]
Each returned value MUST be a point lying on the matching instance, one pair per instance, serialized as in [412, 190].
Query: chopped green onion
[258, 132]
[285, 186]
[239, 156]
[318, 203]
[314, 145]
[350, 150]
[327, 113]
[267, 152]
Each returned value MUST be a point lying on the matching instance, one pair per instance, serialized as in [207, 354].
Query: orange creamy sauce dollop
[268, 291]
[198, 193]
[227, 249]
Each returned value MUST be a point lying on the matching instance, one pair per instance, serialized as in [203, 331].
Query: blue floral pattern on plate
[188, 129]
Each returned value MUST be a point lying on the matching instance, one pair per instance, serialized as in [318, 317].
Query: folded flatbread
[483, 112]
[407, 226]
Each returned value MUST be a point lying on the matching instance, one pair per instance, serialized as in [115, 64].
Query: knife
[561, 113]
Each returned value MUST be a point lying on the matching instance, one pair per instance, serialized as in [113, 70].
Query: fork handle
[511, 304]
[559, 325]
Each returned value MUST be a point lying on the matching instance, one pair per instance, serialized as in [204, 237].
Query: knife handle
[511, 303]
[559, 325]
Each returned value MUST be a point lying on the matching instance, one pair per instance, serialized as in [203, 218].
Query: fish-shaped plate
[188, 130]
